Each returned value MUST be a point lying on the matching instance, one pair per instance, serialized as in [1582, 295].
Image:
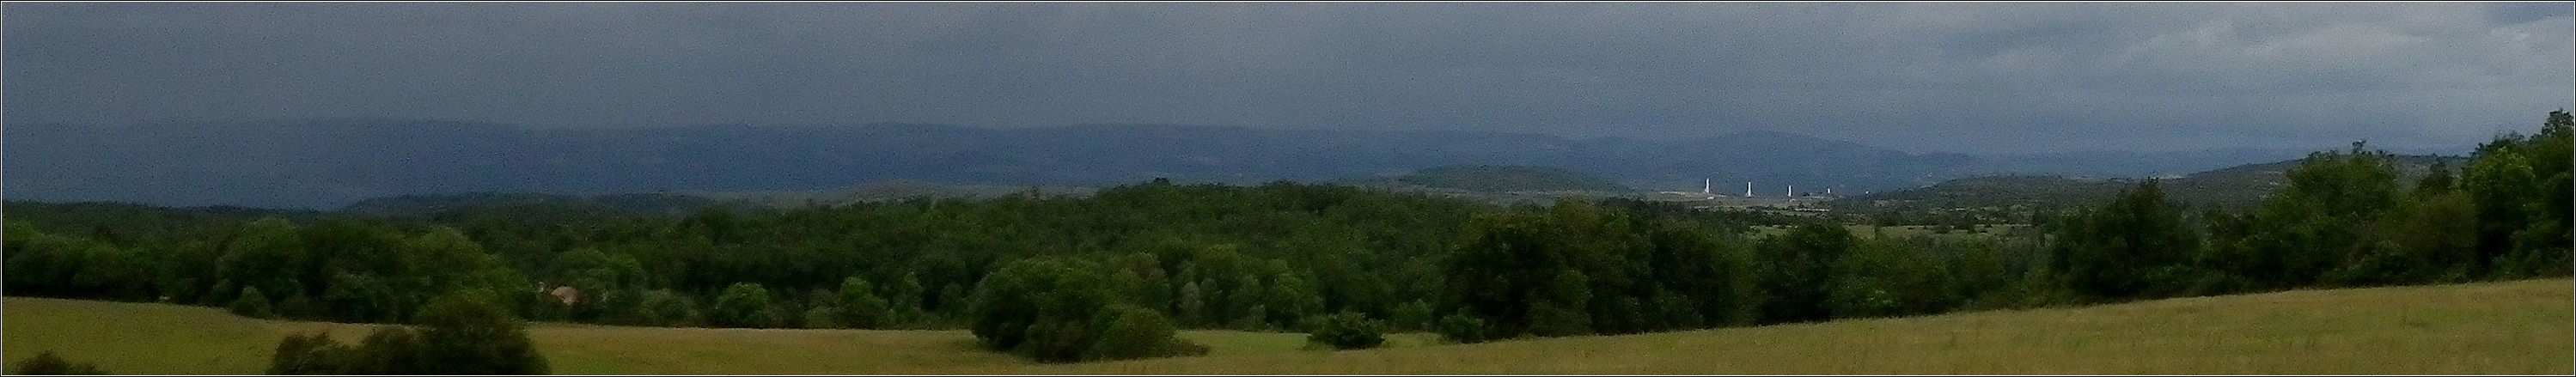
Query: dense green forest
[1059, 278]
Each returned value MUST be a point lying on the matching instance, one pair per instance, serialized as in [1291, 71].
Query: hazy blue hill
[317, 164]
[2136, 164]
[1485, 178]
[536, 204]
[96, 219]
[2239, 187]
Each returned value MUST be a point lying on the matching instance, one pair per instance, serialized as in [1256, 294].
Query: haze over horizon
[1923, 77]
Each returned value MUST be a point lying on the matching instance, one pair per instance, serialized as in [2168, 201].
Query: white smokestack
[1748, 189]
[1704, 185]
[1793, 190]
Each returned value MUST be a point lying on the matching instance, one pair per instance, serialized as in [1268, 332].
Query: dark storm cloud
[1920, 76]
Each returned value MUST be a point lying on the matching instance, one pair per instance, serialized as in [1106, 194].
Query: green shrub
[1346, 330]
[1061, 310]
[252, 304]
[47, 363]
[1461, 328]
[1122, 332]
[469, 333]
[309, 354]
[823, 317]
[389, 350]
[1039, 307]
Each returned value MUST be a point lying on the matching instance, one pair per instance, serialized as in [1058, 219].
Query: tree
[745, 305]
[1880, 279]
[1559, 311]
[266, 254]
[2321, 221]
[1192, 306]
[1292, 297]
[2437, 180]
[904, 298]
[1796, 268]
[1056, 309]
[662, 307]
[860, 308]
[461, 265]
[1039, 307]
[600, 277]
[2520, 186]
[1411, 316]
[1516, 275]
[469, 333]
[363, 297]
[2129, 248]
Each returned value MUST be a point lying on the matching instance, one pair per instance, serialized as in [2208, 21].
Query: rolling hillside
[2517, 327]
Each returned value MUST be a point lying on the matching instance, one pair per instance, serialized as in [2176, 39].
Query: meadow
[2518, 327]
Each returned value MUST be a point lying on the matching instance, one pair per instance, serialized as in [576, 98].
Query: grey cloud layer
[1922, 76]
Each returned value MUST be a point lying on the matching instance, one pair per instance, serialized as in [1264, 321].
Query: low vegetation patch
[1346, 331]
[49, 364]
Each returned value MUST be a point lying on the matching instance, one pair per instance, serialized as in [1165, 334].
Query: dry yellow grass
[2510, 327]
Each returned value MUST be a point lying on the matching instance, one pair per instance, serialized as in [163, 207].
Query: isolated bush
[1122, 332]
[1061, 310]
[1462, 328]
[47, 363]
[460, 333]
[1039, 307]
[388, 350]
[252, 304]
[1346, 330]
[469, 333]
[310, 354]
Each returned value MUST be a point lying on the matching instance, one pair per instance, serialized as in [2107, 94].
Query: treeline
[2345, 219]
[1107, 276]
[1208, 256]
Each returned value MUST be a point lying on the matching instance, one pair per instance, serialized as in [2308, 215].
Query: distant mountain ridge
[1490, 178]
[319, 164]
[2238, 187]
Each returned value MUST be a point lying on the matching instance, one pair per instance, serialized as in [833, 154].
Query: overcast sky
[1964, 77]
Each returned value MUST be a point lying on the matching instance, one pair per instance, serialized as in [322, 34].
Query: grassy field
[2511, 327]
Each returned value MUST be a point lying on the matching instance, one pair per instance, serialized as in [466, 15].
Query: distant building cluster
[1789, 200]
